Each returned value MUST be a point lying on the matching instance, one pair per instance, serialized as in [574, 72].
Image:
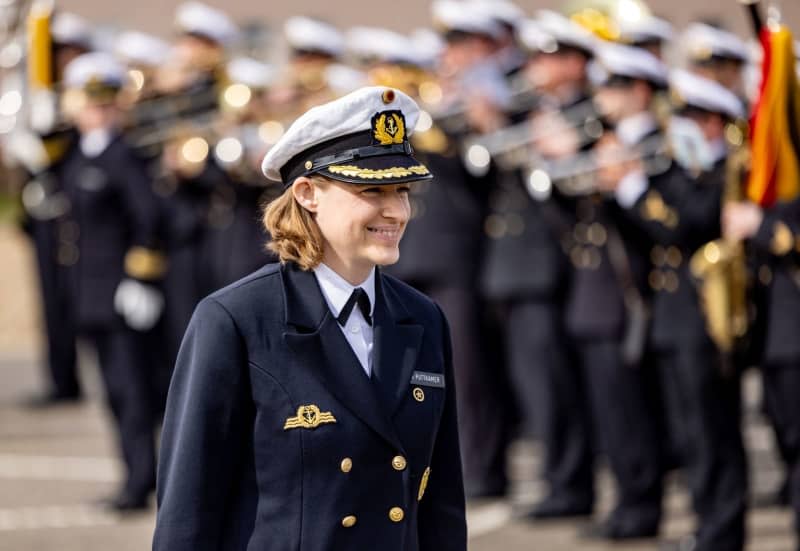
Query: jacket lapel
[397, 343]
[320, 345]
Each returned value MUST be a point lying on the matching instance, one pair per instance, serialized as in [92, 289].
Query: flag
[775, 124]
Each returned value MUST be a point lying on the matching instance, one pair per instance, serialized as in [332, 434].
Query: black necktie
[359, 297]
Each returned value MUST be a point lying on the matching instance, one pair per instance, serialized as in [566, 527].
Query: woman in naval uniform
[312, 405]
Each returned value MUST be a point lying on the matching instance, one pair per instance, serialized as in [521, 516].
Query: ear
[304, 191]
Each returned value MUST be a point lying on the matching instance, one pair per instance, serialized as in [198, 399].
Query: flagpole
[752, 7]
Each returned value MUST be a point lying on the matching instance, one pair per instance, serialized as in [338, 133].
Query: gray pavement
[55, 464]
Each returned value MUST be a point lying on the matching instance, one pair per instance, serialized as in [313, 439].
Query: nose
[396, 206]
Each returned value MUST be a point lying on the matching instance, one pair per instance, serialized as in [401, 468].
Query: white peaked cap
[251, 72]
[306, 33]
[141, 49]
[94, 66]
[703, 41]
[631, 62]
[645, 29]
[466, 17]
[565, 31]
[503, 11]
[696, 91]
[347, 115]
[533, 38]
[384, 45]
[69, 28]
[203, 20]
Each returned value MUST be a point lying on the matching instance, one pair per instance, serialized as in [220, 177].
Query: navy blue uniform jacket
[232, 476]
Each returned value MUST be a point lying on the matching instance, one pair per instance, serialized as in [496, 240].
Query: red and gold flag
[775, 124]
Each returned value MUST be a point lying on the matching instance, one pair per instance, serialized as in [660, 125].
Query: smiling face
[361, 225]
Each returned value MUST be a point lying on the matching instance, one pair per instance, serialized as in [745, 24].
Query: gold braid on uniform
[145, 264]
[783, 240]
[655, 209]
[352, 171]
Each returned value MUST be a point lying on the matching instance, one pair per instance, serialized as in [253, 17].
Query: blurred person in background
[188, 176]
[700, 384]
[606, 300]
[236, 237]
[67, 37]
[470, 98]
[525, 271]
[112, 285]
[716, 54]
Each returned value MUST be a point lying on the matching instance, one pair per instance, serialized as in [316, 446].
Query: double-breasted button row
[500, 225]
[399, 463]
[664, 280]
[396, 514]
[666, 256]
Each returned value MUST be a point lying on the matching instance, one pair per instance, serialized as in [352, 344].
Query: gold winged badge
[309, 417]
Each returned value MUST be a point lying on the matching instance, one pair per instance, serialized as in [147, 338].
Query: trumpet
[512, 147]
[453, 119]
[577, 175]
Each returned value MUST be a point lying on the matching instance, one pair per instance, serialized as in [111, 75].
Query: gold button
[346, 465]
[674, 257]
[419, 394]
[656, 280]
[658, 256]
[396, 514]
[308, 165]
[349, 521]
[399, 463]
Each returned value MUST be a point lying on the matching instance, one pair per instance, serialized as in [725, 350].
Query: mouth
[388, 233]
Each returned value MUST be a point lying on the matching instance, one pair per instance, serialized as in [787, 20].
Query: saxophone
[719, 267]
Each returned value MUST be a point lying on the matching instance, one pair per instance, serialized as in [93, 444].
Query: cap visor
[389, 169]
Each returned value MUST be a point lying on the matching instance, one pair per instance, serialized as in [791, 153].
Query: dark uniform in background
[701, 392]
[69, 36]
[605, 305]
[114, 217]
[777, 239]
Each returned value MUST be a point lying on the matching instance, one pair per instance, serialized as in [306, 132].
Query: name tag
[423, 378]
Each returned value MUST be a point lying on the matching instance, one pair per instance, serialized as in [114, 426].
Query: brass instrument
[152, 122]
[719, 267]
[577, 174]
[512, 147]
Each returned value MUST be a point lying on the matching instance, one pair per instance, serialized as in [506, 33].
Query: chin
[385, 258]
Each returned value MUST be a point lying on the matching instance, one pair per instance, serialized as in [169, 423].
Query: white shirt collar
[632, 129]
[337, 290]
[94, 142]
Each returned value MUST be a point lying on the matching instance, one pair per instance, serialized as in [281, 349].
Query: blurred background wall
[156, 15]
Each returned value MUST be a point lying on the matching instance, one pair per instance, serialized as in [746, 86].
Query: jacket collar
[314, 336]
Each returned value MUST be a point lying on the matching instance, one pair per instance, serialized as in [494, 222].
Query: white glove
[140, 305]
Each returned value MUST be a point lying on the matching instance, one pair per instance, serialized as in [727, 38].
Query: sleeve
[678, 210]
[442, 513]
[204, 434]
[144, 260]
[779, 233]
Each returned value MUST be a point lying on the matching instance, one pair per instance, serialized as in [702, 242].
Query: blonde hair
[294, 233]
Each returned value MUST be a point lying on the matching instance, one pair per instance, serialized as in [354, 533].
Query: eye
[371, 191]
[404, 189]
